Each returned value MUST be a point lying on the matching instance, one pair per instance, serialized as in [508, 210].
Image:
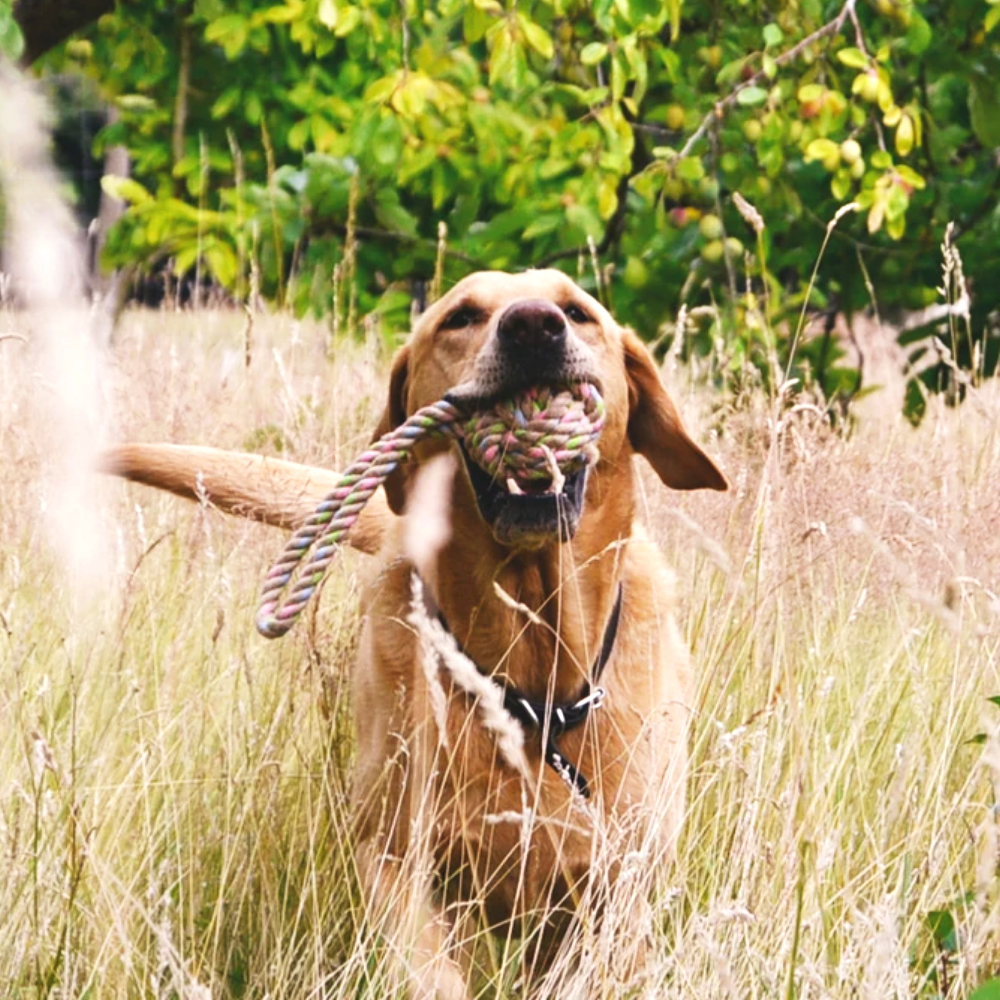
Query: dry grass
[173, 788]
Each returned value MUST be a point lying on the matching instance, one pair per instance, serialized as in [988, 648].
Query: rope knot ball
[536, 438]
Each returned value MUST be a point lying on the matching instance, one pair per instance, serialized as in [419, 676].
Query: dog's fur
[510, 836]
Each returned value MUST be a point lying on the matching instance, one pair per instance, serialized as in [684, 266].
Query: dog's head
[494, 334]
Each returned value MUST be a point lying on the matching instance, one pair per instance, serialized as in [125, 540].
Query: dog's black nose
[533, 325]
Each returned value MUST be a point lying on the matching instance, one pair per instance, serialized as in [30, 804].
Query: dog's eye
[576, 314]
[462, 317]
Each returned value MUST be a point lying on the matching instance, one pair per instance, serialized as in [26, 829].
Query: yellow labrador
[522, 695]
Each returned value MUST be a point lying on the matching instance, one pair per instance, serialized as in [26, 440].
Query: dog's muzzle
[531, 345]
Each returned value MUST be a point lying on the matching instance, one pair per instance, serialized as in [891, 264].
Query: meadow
[173, 788]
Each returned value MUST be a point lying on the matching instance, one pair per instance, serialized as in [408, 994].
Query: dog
[483, 794]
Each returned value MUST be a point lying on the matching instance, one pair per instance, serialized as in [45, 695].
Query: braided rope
[519, 437]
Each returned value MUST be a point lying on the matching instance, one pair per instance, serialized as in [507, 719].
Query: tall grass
[173, 788]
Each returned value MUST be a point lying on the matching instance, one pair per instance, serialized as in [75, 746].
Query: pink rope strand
[515, 438]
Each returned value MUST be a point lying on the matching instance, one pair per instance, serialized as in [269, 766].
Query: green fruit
[858, 169]
[636, 274]
[711, 227]
[673, 188]
[712, 253]
[734, 247]
[675, 117]
[712, 56]
[905, 133]
[850, 151]
[869, 87]
[752, 130]
[832, 159]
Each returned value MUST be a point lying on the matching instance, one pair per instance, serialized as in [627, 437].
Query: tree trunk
[109, 289]
[46, 23]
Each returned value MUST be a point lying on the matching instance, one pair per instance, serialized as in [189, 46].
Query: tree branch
[46, 23]
[612, 232]
[831, 28]
[393, 236]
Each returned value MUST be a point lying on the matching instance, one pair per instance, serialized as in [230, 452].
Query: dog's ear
[655, 427]
[393, 415]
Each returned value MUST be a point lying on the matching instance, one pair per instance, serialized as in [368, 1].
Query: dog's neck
[543, 633]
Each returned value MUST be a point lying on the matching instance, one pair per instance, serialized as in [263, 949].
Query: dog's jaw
[524, 520]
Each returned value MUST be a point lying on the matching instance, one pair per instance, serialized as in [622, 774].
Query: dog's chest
[524, 841]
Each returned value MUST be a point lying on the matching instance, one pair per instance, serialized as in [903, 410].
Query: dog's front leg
[418, 932]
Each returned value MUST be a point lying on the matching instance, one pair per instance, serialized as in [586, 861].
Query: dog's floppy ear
[393, 415]
[655, 427]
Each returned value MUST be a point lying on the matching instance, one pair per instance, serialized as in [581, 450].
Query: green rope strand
[518, 437]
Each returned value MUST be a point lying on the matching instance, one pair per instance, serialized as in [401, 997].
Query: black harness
[552, 719]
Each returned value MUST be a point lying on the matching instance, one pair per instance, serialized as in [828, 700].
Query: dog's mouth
[528, 512]
[527, 457]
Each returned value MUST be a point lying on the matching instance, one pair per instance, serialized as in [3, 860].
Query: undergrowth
[173, 788]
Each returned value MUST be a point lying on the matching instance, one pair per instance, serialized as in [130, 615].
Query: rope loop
[520, 436]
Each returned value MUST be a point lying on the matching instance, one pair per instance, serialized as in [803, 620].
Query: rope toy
[540, 434]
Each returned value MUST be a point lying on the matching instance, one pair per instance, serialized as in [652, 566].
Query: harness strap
[556, 718]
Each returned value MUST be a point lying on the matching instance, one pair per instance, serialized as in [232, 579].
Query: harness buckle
[529, 708]
[594, 700]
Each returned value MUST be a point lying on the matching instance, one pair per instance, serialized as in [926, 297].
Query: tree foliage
[331, 148]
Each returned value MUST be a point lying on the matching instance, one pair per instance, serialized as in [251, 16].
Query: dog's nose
[532, 325]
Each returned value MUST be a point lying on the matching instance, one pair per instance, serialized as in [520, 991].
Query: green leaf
[230, 32]
[751, 96]
[896, 202]
[11, 39]
[505, 58]
[125, 189]
[222, 262]
[387, 143]
[542, 226]
[619, 77]
[811, 92]
[185, 259]
[537, 37]
[944, 930]
[226, 101]
[391, 214]
[690, 169]
[593, 53]
[381, 90]
[854, 58]
[136, 102]
[984, 111]
[989, 990]
[607, 198]
[585, 220]
[773, 35]
[282, 14]
[992, 19]
[671, 63]
[824, 150]
[475, 23]
[348, 18]
[911, 177]
[327, 13]
[731, 73]
[840, 186]
[876, 215]
[208, 10]
[918, 34]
